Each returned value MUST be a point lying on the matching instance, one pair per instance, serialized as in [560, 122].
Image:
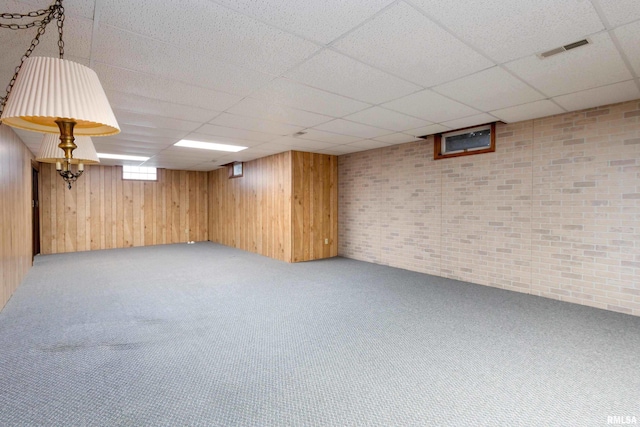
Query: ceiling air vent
[564, 48]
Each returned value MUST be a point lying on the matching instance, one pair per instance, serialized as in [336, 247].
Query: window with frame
[139, 173]
[236, 169]
[464, 142]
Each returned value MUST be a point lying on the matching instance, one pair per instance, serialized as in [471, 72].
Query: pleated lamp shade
[50, 152]
[47, 89]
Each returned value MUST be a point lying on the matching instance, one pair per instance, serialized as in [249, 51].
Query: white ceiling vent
[563, 48]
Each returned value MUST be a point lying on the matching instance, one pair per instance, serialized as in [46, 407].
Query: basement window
[464, 142]
[235, 169]
[139, 173]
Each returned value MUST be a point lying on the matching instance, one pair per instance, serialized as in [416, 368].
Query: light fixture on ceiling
[52, 95]
[209, 146]
[84, 154]
[123, 157]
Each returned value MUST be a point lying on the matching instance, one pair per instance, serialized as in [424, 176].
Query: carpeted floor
[207, 335]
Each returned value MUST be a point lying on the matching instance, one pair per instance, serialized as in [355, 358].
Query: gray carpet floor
[205, 335]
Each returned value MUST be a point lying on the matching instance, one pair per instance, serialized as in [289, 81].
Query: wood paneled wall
[15, 212]
[283, 207]
[253, 212]
[102, 211]
[315, 206]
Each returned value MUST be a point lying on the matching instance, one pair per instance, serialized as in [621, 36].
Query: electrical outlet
[326, 241]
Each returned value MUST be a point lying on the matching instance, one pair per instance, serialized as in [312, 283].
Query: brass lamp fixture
[84, 154]
[52, 95]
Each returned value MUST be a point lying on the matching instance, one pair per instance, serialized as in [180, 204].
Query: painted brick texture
[554, 212]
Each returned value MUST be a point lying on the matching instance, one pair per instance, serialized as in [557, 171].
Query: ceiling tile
[478, 119]
[204, 26]
[77, 39]
[147, 134]
[345, 127]
[339, 74]
[528, 111]
[151, 121]
[114, 162]
[427, 130]
[134, 103]
[122, 49]
[511, 30]
[404, 42]
[253, 73]
[628, 37]
[287, 143]
[387, 119]
[203, 137]
[489, 90]
[334, 138]
[258, 125]
[152, 143]
[28, 136]
[223, 131]
[321, 21]
[277, 113]
[292, 94]
[125, 150]
[267, 149]
[620, 12]
[245, 156]
[585, 67]
[13, 44]
[339, 150]
[204, 167]
[170, 163]
[32, 140]
[368, 144]
[195, 154]
[430, 106]
[618, 92]
[154, 87]
[80, 8]
[396, 138]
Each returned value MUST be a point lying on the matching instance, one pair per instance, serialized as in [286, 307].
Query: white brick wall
[555, 211]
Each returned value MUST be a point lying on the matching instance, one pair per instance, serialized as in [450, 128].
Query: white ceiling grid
[352, 75]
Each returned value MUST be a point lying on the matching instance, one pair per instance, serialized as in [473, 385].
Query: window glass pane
[139, 173]
[468, 141]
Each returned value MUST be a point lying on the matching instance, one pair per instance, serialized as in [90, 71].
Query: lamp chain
[54, 11]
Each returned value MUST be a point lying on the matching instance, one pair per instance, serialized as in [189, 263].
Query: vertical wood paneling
[102, 211]
[82, 214]
[253, 212]
[95, 221]
[119, 196]
[149, 212]
[315, 208]
[110, 209]
[15, 212]
[137, 201]
[46, 213]
[283, 207]
[127, 203]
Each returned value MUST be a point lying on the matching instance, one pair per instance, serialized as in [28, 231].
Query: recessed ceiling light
[209, 146]
[122, 157]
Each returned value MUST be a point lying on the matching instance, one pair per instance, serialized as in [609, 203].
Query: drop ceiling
[331, 76]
